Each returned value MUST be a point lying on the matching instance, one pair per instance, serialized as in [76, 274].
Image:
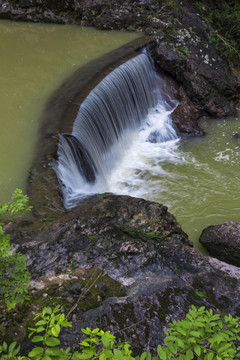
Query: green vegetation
[201, 335]
[200, 294]
[184, 50]
[224, 17]
[104, 196]
[14, 276]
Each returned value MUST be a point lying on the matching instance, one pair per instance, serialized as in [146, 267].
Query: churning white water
[137, 174]
[122, 133]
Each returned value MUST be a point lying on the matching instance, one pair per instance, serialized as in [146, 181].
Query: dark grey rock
[102, 287]
[223, 242]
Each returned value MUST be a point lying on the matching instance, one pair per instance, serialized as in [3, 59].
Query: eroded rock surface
[150, 273]
[223, 241]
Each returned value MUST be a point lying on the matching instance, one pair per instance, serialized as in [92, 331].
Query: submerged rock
[139, 267]
[223, 242]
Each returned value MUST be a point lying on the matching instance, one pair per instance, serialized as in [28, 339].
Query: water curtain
[107, 119]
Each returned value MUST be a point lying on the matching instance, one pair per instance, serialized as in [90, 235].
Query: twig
[84, 293]
[128, 327]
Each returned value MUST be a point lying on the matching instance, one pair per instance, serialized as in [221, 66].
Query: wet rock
[102, 287]
[186, 116]
[223, 242]
[140, 247]
[187, 53]
[76, 289]
[236, 136]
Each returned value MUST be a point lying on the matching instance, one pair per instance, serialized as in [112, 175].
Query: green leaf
[180, 343]
[37, 338]
[12, 346]
[189, 355]
[16, 351]
[41, 322]
[143, 356]
[40, 329]
[108, 353]
[56, 330]
[46, 357]
[84, 343]
[149, 356]
[52, 341]
[210, 355]
[172, 347]
[118, 354]
[105, 340]
[82, 356]
[181, 331]
[102, 357]
[62, 318]
[197, 350]
[36, 351]
[191, 340]
[195, 333]
[47, 310]
[53, 351]
[161, 352]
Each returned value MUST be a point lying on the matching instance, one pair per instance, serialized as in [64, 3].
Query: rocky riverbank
[129, 263]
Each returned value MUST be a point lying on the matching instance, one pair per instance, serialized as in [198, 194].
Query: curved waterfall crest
[115, 110]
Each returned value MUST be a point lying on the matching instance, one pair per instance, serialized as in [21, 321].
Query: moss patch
[135, 234]
[86, 287]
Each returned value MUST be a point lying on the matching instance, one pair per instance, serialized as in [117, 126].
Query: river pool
[35, 59]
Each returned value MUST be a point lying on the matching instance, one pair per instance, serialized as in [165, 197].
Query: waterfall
[106, 124]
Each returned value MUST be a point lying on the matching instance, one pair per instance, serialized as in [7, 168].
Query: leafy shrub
[201, 335]
[14, 277]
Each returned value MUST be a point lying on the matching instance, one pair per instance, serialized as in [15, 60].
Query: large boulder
[185, 50]
[223, 241]
[118, 263]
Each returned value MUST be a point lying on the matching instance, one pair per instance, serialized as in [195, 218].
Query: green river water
[35, 59]
[204, 190]
[201, 190]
